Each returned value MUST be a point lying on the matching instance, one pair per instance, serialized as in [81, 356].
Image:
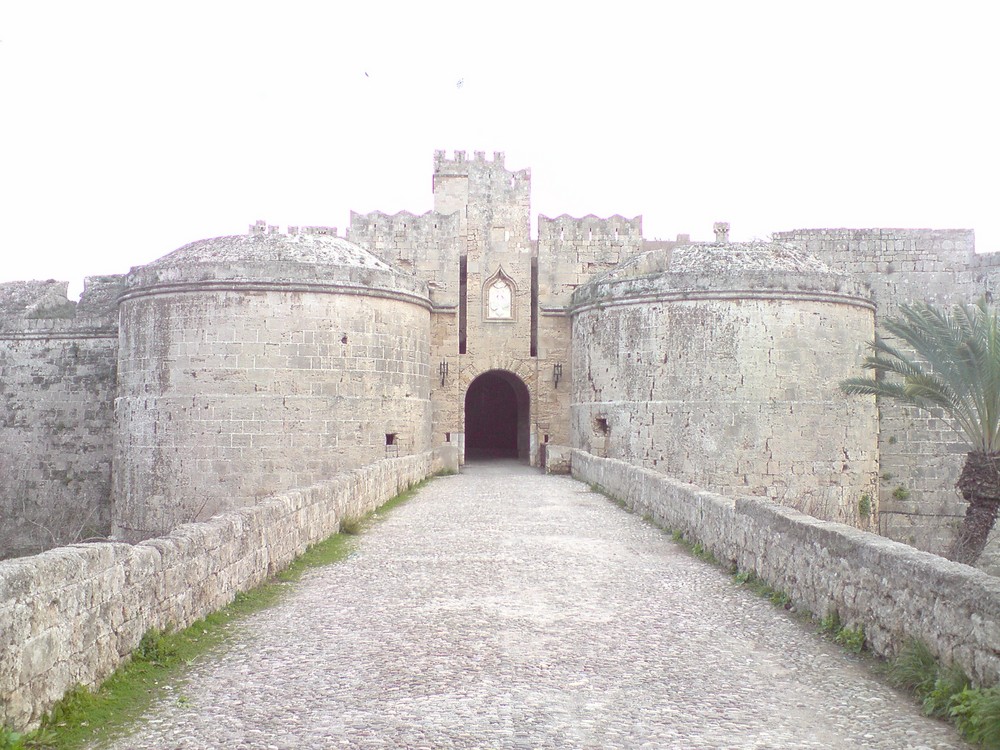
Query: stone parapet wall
[896, 593]
[572, 251]
[71, 615]
[887, 251]
[427, 245]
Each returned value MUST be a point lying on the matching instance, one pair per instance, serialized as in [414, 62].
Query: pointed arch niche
[499, 293]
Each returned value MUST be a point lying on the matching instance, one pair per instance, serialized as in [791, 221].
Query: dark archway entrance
[497, 416]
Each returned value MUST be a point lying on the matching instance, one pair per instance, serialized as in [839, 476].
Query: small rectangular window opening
[390, 438]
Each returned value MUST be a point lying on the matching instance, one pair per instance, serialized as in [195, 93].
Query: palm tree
[957, 370]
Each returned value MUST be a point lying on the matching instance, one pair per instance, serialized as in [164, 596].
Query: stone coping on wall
[365, 286]
[52, 330]
[72, 614]
[894, 592]
[670, 286]
[314, 263]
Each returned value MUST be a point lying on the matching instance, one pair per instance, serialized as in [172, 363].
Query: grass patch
[976, 713]
[945, 692]
[352, 526]
[156, 669]
[914, 669]
[704, 553]
[696, 548]
[330, 550]
[402, 497]
[11, 740]
[942, 698]
[852, 639]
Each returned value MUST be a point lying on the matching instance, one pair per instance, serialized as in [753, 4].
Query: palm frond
[954, 366]
[870, 387]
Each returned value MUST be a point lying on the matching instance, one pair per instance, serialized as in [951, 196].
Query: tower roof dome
[744, 257]
[311, 258]
[721, 270]
[309, 248]
[720, 259]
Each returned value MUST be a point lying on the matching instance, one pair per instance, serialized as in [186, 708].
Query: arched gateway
[497, 416]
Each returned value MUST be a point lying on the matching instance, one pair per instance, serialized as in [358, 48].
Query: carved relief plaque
[498, 300]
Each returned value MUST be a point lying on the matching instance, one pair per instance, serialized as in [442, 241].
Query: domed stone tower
[719, 364]
[257, 363]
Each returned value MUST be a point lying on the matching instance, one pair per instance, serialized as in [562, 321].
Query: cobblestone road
[507, 609]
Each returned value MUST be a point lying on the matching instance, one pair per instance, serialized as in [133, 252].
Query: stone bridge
[504, 608]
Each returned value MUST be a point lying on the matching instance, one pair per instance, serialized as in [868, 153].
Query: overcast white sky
[128, 129]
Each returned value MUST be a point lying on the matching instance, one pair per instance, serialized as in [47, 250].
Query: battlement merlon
[569, 228]
[479, 185]
[443, 163]
[377, 223]
[262, 227]
[478, 169]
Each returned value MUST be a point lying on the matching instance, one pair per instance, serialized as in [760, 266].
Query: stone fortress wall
[493, 205]
[920, 455]
[57, 390]
[477, 234]
[429, 246]
[425, 245]
[257, 364]
[728, 376]
[225, 391]
[571, 251]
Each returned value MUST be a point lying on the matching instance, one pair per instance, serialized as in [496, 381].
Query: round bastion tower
[719, 363]
[258, 363]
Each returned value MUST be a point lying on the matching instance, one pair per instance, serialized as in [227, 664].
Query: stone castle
[237, 367]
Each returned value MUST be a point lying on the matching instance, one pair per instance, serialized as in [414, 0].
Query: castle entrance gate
[497, 416]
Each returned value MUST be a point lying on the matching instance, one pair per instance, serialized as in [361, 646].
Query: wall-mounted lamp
[556, 374]
[443, 370]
